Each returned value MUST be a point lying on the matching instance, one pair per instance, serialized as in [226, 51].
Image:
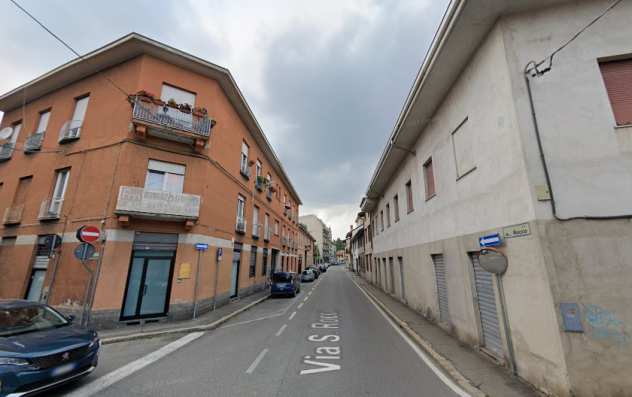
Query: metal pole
[217, 260]
[84, 314]
[195, 289]
[503, 306]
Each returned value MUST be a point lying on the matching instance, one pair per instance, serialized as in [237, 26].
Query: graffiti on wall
[605, 324]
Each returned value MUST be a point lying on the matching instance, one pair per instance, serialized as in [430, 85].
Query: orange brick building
[160, 151]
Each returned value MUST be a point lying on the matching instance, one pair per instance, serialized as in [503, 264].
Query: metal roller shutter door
[486, 298]
[442, 287]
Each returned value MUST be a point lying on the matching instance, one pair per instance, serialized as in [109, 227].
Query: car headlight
[13, 361]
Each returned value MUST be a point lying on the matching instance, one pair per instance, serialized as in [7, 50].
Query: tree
[340, 244]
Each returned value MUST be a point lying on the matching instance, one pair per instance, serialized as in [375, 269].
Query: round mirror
[493, 261]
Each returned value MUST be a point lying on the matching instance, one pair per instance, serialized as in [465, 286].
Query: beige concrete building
[322, 233]
[541, 159]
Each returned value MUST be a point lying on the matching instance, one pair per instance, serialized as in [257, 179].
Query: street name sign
[201, 246]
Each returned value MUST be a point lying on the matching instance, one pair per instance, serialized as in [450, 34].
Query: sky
[326, 79]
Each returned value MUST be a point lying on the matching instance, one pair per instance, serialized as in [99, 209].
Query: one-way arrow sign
[491, 240]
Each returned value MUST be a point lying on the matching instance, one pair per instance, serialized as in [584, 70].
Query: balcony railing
[240, 226]
[50, 209]
[157, 204]
[255, 230]
[34, 142]
[260, 183]
[171, 118]
[284, 240]
[269, 194]
[13, 215]
[70, 131]
[6, 151]
[244, 171]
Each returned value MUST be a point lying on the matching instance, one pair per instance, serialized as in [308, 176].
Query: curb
[197, 328]
[443, 362]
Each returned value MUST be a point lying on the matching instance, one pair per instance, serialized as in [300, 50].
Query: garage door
[442, 287]
[486, 299]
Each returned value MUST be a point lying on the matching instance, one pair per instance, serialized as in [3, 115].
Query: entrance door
[148, 285]
[234, 284]
[391, 269]
[486, 302]
[273, 265]
[442, 287]
[401, 277]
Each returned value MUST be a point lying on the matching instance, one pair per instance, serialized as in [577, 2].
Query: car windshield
[20, 320]
[281, 277]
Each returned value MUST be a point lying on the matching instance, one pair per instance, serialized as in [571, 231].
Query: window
[255, 222]
[266, 227]
[243, 165]
[43, 122]
[388, 215]
[429, 179]
[381, 220]
[74, 126]
[241, 209]
[163, 176]
[6, 149]
[253, 261]
[409, 197]
[463, 149]
[59, 191]
[276, 228]
[258, 169]
[617, 77]
[178, 95]
[396, 207]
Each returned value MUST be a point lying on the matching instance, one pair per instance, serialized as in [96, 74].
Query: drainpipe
[503, 307]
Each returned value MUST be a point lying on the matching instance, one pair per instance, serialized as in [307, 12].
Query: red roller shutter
[617, 75]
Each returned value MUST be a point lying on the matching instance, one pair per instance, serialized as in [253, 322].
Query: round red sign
[88, 234]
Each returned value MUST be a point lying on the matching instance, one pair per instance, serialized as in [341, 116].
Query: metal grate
[486, 299]
[171, 117]
[442, 287]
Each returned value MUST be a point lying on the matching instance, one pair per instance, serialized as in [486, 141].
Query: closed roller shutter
[442, 287]
[617, 76]
[486, 298]
[155, 241]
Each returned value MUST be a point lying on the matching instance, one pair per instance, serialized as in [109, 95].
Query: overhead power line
[65, 44]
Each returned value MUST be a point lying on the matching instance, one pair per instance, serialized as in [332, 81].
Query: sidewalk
[457, 360]
[204, 322]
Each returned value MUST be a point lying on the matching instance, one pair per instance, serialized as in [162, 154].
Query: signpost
[218, 259]
[199, 247]
[85, 252]
[491, 240]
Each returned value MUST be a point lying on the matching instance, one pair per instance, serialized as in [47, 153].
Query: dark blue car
[285, 283]
[40, 348]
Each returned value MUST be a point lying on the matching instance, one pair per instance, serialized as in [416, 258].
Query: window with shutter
[617, 77]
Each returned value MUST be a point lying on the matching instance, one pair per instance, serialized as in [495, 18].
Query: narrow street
[320, 343]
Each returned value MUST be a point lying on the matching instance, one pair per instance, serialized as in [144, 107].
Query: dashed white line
[254, 364]
[292, 315]
[111, 378]
[280, 331]
[306, 298]
[300, 305]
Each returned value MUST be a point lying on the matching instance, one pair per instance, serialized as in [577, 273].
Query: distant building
[306, 245]
[322, 233]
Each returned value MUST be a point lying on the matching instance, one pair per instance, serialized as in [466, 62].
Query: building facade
[491, 145]
[322, 233]
[159, 150]
[306, 244]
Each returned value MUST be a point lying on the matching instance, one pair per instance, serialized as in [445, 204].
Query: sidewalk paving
[456, 359]
[203, 322]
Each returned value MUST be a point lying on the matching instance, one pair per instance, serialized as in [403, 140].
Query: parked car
[315, 270]
[41, 348]
[308, 275]
[322, 267]
[285, 283]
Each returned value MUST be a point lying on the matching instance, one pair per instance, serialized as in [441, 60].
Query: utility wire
[569, 41]
[63, 42]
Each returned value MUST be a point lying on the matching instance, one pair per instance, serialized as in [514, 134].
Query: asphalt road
[329, 340]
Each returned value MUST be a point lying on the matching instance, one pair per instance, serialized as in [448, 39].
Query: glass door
[148, 285]
[155, 287]
[234, 285]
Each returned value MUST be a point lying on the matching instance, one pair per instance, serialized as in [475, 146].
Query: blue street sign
[491, 240]
[201, 247]
[84, 251]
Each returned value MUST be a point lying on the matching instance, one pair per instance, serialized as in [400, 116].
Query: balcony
[269, 194]
[170, 121]
[156, 204]
[34, 142]
[13, 215]
[244, 171]
[50, 209]
[255, 231]
[70, 131]
[6, 151]
[260, 183]
[240, 226]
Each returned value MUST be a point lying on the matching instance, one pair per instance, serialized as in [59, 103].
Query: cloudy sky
[326, 79]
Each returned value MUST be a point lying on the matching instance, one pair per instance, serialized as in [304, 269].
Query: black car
[41, 348]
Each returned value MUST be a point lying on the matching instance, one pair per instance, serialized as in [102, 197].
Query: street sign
[491, 240]
[88, 234]
[84, 251]
[201, 247]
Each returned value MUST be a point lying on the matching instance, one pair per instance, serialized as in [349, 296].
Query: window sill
[431, 196]
[410, 210]
[466, 173]
[622, 126]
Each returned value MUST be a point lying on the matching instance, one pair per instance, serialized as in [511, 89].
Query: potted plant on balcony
[185, 108]
[172, 102]
[145, 96]
[200, 112]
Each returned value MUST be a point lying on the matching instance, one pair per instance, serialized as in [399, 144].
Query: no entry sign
[88, 234]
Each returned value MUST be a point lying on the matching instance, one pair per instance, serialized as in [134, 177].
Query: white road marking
[111, 378]
[292, 315]
[449, 382]
[306, 298]
[254, 364]
[300, 305]
[280, 331]
[310, 292]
